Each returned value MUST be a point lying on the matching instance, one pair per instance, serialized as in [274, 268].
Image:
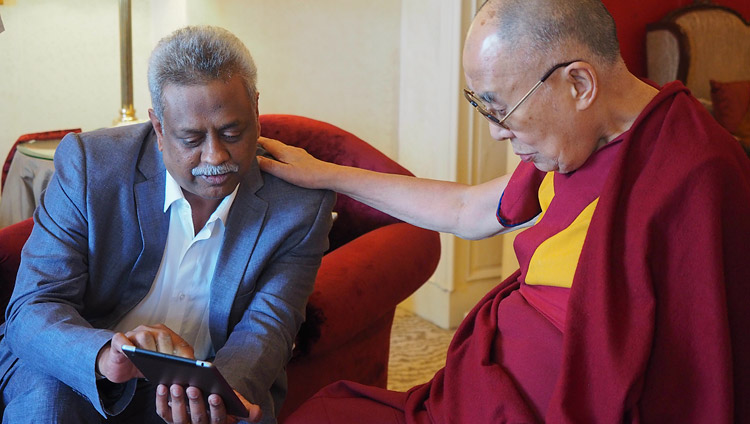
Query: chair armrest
[363, 280]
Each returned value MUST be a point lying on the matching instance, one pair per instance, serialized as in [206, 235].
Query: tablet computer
[162, 368]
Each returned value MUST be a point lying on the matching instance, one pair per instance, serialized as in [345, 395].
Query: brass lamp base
[127, 116]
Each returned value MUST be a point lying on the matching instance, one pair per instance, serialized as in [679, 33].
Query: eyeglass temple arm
[534, 88]
[523, 99]
[556, 67]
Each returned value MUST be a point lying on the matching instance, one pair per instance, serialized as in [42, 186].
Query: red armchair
[12, 239]
[374, 262]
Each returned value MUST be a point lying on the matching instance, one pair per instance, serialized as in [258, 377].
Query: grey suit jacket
[97, 243]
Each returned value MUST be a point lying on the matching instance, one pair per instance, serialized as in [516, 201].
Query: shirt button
[182, 296]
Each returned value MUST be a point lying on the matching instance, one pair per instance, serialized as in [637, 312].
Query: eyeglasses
[479, 105]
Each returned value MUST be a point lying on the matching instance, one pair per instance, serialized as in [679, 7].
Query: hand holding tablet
[161, 368]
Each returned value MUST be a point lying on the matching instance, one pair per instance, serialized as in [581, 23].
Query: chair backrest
[332, 144]
[696, 44]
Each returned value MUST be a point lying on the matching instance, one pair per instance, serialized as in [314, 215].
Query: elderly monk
[630, 304]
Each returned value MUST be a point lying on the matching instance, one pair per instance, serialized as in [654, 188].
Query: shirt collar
[173, 193]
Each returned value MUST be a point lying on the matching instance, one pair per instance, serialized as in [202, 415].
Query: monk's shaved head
[548, 26]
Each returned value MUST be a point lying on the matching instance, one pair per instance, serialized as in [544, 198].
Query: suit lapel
[244, 224]
[153, 223]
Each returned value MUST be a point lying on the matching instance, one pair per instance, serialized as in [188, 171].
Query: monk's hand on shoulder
[177, 405]
[293, 164]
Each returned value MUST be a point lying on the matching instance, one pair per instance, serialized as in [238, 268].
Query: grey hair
[198, 55]
[546, 25]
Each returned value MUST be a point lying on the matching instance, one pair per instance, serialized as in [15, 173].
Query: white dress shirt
[179, 294]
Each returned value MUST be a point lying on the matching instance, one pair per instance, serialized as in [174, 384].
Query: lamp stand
[127, 111]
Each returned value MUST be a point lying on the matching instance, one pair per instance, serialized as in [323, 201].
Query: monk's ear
[583, 82]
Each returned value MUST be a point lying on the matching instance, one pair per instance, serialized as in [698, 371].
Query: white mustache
[224, 168]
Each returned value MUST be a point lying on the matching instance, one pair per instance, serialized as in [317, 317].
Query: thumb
[255, 413]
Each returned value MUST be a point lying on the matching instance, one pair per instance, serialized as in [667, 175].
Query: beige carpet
[418, 350]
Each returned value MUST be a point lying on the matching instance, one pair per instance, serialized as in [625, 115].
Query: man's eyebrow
[188, 131]
[197, 131]
[229, 125]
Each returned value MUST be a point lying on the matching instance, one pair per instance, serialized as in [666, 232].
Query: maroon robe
[658, 321]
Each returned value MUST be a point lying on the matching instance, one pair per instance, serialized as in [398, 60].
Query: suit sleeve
[260, 344]
[44, 322]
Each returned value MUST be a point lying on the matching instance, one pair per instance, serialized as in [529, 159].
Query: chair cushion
[743, 130]
[731, 102]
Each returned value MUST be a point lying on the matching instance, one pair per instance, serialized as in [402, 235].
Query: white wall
[59, 65]
[333, 60]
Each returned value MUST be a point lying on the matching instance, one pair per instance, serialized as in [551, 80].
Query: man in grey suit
[165, 236]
